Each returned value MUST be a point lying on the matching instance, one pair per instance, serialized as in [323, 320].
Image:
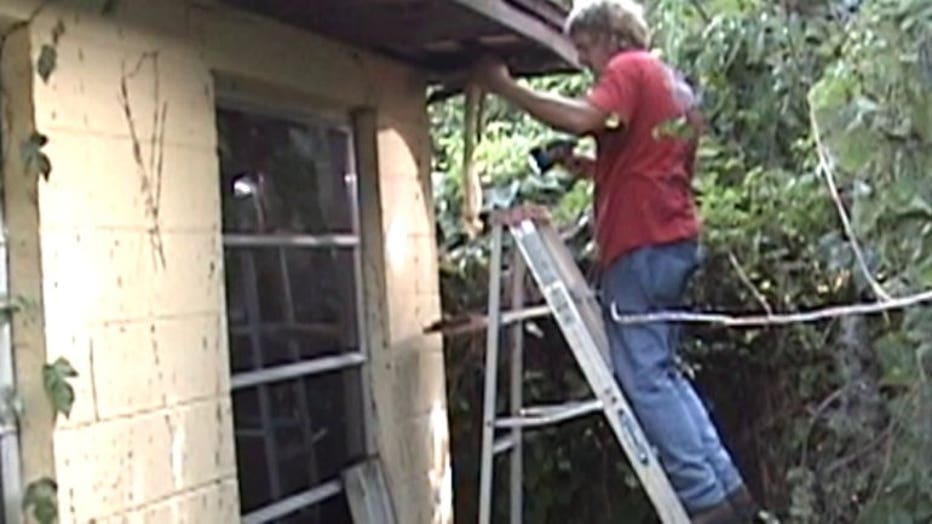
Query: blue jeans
[671, 414]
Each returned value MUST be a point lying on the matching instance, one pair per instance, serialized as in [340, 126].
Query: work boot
[746, 508]
[721, 513]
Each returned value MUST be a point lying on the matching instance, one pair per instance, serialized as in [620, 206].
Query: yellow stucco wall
[121, 247]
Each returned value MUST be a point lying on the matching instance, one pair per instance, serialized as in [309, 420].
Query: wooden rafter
[524, 24]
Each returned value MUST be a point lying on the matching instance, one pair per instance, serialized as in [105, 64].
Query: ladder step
[545, 415]
[503, 444]
[520, 315]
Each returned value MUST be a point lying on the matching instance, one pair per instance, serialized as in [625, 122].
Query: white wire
[826, 167]
[767, 319]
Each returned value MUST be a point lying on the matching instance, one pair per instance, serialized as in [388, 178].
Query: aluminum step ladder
[570, 300]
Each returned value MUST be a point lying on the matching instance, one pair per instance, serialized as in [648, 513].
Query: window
[9, 435]
[291, 254]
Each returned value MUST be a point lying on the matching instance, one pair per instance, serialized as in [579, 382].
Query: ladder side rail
[591, 360]
[491, 367]
[516, 384]
[585, 299]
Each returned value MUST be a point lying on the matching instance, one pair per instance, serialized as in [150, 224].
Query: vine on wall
[40, 495]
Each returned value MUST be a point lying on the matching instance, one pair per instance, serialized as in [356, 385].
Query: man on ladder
[646, 230]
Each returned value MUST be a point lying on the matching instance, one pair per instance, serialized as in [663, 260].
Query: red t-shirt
[643, 171]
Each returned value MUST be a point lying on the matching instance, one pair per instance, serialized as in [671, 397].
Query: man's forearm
[566, 114]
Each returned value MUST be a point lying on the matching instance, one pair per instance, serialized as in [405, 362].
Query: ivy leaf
[44, 166]
[55, 379]
[38, 139]
[48, 58]
[41, 497]
[35, 160]
[46, 513]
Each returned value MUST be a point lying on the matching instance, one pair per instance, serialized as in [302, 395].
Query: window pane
[294, 435]
[282, 176]
[241, 353]
[294, 303]
[331, 511]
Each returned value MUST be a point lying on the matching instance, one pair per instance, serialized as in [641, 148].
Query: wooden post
[472, 187]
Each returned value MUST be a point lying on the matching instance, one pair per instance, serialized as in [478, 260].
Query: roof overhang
[441, 37]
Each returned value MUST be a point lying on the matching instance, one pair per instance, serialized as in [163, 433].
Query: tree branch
[747, 282]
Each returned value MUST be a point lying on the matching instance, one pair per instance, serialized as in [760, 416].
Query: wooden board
[367, 493]
[439, 36]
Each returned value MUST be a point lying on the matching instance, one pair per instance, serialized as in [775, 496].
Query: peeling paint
[178, 456]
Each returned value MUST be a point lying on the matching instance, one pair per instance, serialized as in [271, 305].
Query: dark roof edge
[534, 23]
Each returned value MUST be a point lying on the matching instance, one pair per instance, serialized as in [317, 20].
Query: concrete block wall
[413, 300]
[131, 263]
[125, 235]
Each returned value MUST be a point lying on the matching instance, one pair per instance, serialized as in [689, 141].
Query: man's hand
[579, 165]
[562, 153]
[492, 74]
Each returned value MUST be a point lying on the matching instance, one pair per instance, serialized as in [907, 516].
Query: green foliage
[876, 117]
[41, 496]
[48, 58]
[502, 160]
[16, 304]
[48, 54]
[831, 422]
[55, 380]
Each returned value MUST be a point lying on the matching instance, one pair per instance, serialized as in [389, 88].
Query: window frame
[359, 359]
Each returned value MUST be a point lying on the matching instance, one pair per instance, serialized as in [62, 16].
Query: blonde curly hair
[620, 19]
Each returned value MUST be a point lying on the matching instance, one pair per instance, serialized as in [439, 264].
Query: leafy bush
[830, 422]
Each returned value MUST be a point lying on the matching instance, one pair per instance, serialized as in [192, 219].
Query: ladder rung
[503, 444]
[546, 415]
[519, 315]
